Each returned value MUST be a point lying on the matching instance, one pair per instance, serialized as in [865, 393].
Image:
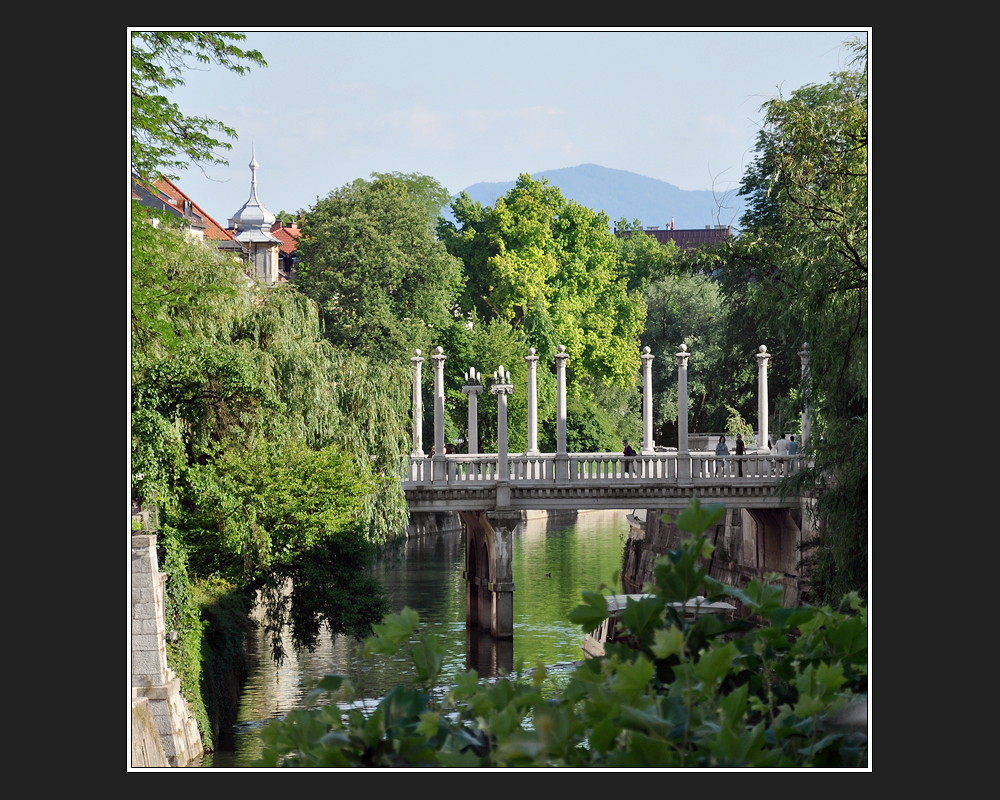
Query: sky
[682, 106]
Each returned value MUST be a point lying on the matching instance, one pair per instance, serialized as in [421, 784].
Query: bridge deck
[597, 480]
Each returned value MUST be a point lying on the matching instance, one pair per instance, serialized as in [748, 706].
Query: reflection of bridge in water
[491, 490]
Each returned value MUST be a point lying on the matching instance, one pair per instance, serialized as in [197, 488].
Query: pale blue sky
[465, 107]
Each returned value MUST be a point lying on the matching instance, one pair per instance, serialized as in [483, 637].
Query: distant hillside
[625, 194]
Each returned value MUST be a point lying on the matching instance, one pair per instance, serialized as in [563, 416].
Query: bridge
[491, 490]
[597, 481]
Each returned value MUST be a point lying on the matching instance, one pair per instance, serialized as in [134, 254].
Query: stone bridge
[491, 490]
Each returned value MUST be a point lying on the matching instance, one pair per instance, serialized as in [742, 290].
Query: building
[252, 226]
[688, 238]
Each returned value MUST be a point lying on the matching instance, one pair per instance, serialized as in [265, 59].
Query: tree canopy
[164, 139]
[538, 261]
[271, 454]
[369, 258]
[800, 270]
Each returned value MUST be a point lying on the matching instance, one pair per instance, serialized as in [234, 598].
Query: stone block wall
[152, 680]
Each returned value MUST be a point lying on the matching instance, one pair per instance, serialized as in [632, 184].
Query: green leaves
[688, 696]
[163, 138]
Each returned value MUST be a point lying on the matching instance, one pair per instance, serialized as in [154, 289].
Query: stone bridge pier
[489, 574]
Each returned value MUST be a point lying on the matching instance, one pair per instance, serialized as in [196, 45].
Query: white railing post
[473, 386]
[418, 407]
[532, 361]
[502, 387]
[562, 458]
[762, 403]
[684, 465]
[806, 397]
[439, 459]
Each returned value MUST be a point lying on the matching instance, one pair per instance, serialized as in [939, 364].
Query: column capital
[647, 356]
[562, 355]
[762, 356]
[531, 358]
[415, 359]
[804, 354]
[683, 356]
[438, 356]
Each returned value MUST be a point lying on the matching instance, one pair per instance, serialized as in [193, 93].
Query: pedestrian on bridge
[629, 453]
[721, 449]
[740, 450]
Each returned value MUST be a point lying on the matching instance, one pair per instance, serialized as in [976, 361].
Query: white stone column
[473, 386]
[683, 454]
[762, 402]
[418, 407]
[532, 360]
[806, 398]
[440, 465]
[502, 387]
[562, 458]
[682, 400]
[648, 445]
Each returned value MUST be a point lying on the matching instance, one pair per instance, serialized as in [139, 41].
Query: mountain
[626, 194]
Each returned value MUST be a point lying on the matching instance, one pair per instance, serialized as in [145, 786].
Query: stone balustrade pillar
[532, 361]
[806, 397]
[418, 407]
[762, 401]
[473, 386]
[502, 387]
[682, 400]
[440, 464]
[562, 457]
[648, 445]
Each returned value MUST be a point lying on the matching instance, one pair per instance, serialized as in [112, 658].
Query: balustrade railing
[609, 468]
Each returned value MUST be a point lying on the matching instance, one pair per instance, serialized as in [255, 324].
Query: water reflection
[554, 560]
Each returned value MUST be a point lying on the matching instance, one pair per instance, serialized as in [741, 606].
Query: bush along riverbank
[707, 693]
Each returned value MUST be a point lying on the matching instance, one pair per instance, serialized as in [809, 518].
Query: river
[426, 575]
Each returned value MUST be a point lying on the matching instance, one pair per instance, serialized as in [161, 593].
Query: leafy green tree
[422, 188]
[272, 455]
[163, 138]
[369, 258]
[800, 270]
[540, 262]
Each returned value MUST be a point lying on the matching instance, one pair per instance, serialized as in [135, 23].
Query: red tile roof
[213, 230]
[289, 235]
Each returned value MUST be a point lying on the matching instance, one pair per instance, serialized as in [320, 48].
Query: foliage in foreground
[689, 695]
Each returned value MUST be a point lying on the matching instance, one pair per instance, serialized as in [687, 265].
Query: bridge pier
[489, 571]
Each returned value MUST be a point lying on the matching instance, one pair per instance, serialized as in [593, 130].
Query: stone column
[682, 400]
[472, 387]
[762, 357]
[440, 465]
[532, 360]
[806, 398]
[502, 387]
[502, 586]
[683, 454]
[418, 407]
[562, 458]
[648, 445]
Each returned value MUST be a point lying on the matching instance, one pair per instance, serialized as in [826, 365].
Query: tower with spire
[253, 230]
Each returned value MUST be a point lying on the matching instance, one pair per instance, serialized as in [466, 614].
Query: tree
[800, 270]
[550, 266]
[271, 454]
[369, 258]
[163, 138]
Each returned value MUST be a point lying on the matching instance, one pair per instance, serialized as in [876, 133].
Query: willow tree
[800, 268]
[272, 454]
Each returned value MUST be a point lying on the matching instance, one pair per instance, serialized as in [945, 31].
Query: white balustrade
[524, 469]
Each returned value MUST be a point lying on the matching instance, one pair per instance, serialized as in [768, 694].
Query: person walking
[741, 448]
[721, 450]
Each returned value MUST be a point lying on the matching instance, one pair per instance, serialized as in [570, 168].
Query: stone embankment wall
[156, 690]
[748, 544]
